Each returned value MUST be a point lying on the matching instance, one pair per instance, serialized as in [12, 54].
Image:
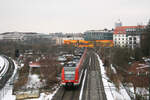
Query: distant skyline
[47, 16]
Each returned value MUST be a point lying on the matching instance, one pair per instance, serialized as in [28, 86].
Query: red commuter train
[72, 72]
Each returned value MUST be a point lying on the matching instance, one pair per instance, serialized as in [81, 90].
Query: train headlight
[76, 80]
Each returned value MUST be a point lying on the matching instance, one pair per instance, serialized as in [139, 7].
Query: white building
[127, 36]
[120, 40]
[22, 36]
[13, 36]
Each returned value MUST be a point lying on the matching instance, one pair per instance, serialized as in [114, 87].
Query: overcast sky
[70, 15]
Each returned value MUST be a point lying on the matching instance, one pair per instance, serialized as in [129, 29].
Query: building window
[134, 42]
[134, 38]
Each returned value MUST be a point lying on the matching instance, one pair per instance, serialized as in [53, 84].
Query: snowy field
[6, 92]
[111, 91]
[1, 63]
[3, 66]
[46, 96]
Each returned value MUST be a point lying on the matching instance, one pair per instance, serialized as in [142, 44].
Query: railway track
[71, 94]
[94, 88]
[7, 71]
[67, 94]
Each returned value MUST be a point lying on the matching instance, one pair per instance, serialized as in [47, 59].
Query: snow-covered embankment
[111, 91]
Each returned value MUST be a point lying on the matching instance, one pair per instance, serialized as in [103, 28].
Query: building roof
[99, 31]
[122, 29]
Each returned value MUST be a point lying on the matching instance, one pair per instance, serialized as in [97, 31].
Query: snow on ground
[46, 96]
[4, 67]
[1, 63]
[15, 71]
[139, 90]
[6, 92]
[34, 81]
[112, 93]
[142, 91]
[146, 59]
[114, 70]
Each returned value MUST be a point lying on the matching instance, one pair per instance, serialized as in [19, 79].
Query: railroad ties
[94, 88]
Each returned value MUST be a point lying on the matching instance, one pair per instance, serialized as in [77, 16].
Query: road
[93, 86]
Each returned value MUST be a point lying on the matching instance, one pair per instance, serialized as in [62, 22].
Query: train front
[69, 76]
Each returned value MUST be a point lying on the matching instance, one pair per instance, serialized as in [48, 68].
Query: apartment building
[128, 36]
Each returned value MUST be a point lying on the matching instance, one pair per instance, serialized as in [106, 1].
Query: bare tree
[145, 40]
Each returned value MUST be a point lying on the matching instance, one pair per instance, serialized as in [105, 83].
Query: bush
[49, 70]
[23, 77]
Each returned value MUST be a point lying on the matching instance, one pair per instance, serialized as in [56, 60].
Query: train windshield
[69, 73]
